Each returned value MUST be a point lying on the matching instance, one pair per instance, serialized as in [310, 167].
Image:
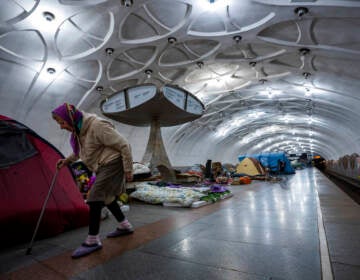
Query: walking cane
[28, 251]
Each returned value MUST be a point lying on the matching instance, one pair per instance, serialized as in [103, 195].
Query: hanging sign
[193, 106]
[141, 94]
[115, 103]
[175, 96]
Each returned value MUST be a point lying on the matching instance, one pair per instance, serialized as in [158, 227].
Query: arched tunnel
[271, 76]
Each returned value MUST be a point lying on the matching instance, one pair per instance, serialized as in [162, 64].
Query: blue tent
[273, 161]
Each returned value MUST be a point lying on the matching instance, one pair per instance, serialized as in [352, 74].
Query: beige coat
[100, 143]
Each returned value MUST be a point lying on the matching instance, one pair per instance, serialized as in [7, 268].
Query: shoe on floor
[120, 231]
[124, 228]
[85, 249]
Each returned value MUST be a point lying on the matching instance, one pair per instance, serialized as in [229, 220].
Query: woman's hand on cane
[61, 163]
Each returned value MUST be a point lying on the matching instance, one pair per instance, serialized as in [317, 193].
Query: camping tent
[273, 161]
[27, 166]
[250, 166]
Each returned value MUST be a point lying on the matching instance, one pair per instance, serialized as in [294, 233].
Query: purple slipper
[119, 232]
[85, 249]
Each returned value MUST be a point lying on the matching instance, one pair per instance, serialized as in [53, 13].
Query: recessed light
[237, 38]
[127, 3]
[200, 64]
[300, 11]
[304, 51]
[49, 16]
[148, 73]
[51, 70]
[306, 75]
[172, 40]
[109, 51]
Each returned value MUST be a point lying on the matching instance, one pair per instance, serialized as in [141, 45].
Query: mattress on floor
[185, 196]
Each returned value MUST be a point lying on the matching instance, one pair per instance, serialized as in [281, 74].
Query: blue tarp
[272, 161]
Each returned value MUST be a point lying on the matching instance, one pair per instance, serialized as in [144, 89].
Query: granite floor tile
[141, 266]
[287, 263]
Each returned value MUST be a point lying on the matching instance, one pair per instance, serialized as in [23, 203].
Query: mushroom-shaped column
[147, 105]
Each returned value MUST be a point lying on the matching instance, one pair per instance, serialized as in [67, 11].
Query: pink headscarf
[73, 117]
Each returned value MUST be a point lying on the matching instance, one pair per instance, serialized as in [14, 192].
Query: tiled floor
[265, 231]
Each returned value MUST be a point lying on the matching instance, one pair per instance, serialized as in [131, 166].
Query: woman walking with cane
[105, 152]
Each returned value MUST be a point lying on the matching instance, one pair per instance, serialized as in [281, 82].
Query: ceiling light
[304, 51]
[200, 64]
[172, 40]
[51, 70]
[127, 3]
[300, 11]
[306, 75]
[252, 63]
[148, 73]
[237, 38]
[49, 16]
[99, 88]
[307, 92]
[262, 81]
[214, 5]
[109, 51]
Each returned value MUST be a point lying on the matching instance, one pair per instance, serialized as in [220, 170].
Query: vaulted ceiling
[273, 74]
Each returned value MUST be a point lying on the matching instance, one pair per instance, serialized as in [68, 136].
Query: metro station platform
[303, 227]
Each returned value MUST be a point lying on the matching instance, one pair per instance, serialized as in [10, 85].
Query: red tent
[27, 166]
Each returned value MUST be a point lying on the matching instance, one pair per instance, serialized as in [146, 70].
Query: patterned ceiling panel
[245, 73]
[64, 86]
[210, 72]
[11, 84]
[153, 21]
[82, 2]
[285, 31]
[84, 33]
[235, 18]
[120, 85]
[212, 78]
[187, 52]
[88, 71]
[288, 60]
[233, 52]
[202, 26]
[248, 15]
[13, 10]
[173, 74]
[343, 67]
[131, 62]
[264, 50]
[73, 81]
[269, 71]
[337, 32]
[26, 44]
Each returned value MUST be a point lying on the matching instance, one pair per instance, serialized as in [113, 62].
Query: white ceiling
[272, 76]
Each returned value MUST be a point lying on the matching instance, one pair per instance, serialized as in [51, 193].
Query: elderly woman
[105, 152]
